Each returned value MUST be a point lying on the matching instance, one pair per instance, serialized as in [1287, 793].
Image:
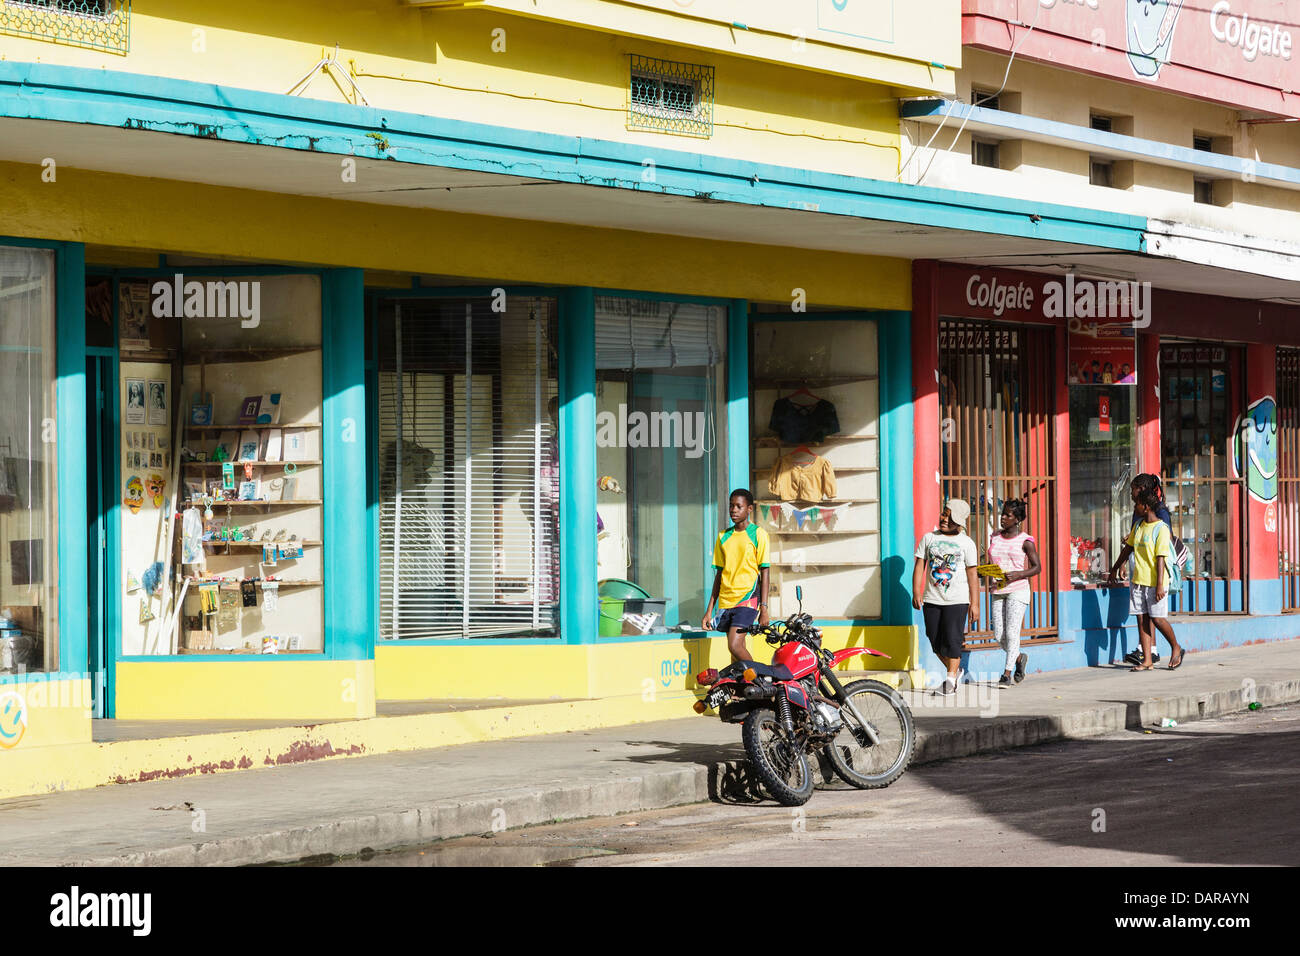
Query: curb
[729, 780]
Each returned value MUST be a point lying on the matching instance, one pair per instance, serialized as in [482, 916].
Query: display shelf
[771, 441]
[838, 471]
[229, 356]
[235, 503]
[237, 427]
[258, 464]
[811, 383]
[234, 585]
[239, 651]
[217, 542]
[823, 564]
[824, 503]
[837, 531]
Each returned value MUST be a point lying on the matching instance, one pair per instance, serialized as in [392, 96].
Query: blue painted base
[1097, 629]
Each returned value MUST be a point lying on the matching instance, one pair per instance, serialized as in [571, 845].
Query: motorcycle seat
[774, 671]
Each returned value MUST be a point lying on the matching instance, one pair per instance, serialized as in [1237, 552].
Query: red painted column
[925, 396]
[1261, 507]
[1149, 455]
[1061, 459]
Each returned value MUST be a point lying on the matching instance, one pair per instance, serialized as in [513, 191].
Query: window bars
[93, 24]
[670, 97]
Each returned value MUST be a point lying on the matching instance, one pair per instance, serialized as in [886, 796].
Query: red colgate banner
[1244, 53]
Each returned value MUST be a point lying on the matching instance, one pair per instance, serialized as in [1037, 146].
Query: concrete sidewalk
[343, 807]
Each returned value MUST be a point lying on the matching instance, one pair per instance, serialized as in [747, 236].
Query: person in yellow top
[1149, 600]
[740, 577]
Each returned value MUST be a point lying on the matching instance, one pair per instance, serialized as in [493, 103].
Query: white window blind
[644, 333]
[469, 491]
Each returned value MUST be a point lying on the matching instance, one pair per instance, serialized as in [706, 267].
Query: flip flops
[1175, 664]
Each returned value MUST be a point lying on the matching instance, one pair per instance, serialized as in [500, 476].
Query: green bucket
[611, 617]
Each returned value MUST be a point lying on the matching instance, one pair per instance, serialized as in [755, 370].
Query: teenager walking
[740, 578]
[1150, 542]
[1013, 550]
[945, 588]
[1142, 484]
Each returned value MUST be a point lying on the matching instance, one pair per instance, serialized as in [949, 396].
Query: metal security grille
[670, 97]
[1288, 485]
[96, 24]
[469, 469]
[996, 406]
[1199, 403]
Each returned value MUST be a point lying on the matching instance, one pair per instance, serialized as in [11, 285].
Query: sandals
[1175, 664]
[1143, 667]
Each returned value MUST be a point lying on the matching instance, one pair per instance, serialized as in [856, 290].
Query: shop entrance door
[1201, 397]
[996, 409]
[101, 456]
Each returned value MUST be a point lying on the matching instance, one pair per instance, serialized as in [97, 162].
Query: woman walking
[1013, 550]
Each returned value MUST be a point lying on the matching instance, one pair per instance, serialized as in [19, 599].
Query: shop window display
[28, 543]
[660, 440]
[816, 480]
[221, 530]
[468, 468]
[1103, 444]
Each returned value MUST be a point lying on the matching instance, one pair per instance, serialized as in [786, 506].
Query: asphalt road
[1215, 792]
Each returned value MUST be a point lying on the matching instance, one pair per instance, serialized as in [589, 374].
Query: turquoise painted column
[898, 536]
[577, 387]
[738, 474]
[70, 435]
[350, 624]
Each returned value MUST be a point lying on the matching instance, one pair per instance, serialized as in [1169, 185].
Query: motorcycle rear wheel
[870, 766]
[782, 767]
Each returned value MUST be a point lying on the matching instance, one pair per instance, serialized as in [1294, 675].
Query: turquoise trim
[476, 641]
[42, 91]
[737, 351]
[897, 450]
[1220, 165]
[577, 393]
[70, 363]
[671, 533]
[350, 623]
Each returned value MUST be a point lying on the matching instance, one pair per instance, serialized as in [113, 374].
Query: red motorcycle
[797, 706]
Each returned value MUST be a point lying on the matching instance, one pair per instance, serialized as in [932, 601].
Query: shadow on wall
[1105, 612]
[896, 590]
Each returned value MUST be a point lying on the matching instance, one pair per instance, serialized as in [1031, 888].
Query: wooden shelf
[824, 503]
[239, 651]
[235, 428]
[227, 356]
[260, 464]
[838, 471]
[825, 564]
[811, 383]
[217, 542]
[771, 441]
[837, 531]
[222, 502]
[234, 585]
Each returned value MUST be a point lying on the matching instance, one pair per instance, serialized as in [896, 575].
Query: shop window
[996, 413]
[28, 494]
[1288, 473]
[220, 422]
[1199, 407]
[1103, 446]
[670, 97]
[95, 24]
[468, 469]
[816, 410]
[661, 438]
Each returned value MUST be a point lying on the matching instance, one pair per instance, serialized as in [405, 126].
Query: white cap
[959, 511]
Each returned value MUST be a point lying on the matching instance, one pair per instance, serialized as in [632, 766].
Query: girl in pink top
[1013, 550]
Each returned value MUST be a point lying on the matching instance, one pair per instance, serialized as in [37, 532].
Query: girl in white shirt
[1013, 550]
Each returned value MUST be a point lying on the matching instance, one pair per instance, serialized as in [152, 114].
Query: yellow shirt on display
[740, 555]
[1150, 543]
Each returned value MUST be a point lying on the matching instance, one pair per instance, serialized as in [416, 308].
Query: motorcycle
[797, 706]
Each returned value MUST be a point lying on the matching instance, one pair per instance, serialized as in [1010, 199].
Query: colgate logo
[998, 297]
[1248, 36]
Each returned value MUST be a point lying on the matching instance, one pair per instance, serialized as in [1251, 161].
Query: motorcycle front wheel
[855, 758]
[781, 766]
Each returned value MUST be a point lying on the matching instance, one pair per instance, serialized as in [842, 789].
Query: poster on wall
[1102, 353]
[135, 413]
[133, 314]
[157, 404]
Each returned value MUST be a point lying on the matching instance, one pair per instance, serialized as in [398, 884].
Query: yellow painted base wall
[43, 713]
[262, 690]
[617, 669]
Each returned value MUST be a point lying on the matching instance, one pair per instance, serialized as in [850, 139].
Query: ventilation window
[1102, 123]
[985, 100]
[670, 97]
[1101, 172]
[1204, 143]
[985, 153]
[94, 24]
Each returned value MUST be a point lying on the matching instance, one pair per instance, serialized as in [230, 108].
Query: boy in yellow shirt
[1151, 546]
[740, 576]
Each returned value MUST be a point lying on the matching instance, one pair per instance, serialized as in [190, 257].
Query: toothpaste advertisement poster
[1102, 353]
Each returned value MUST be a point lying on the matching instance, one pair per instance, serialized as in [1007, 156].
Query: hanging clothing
[794, 481]
[803, 424]
[192, 538]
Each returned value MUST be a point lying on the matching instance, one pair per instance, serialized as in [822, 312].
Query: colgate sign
[998, 296]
